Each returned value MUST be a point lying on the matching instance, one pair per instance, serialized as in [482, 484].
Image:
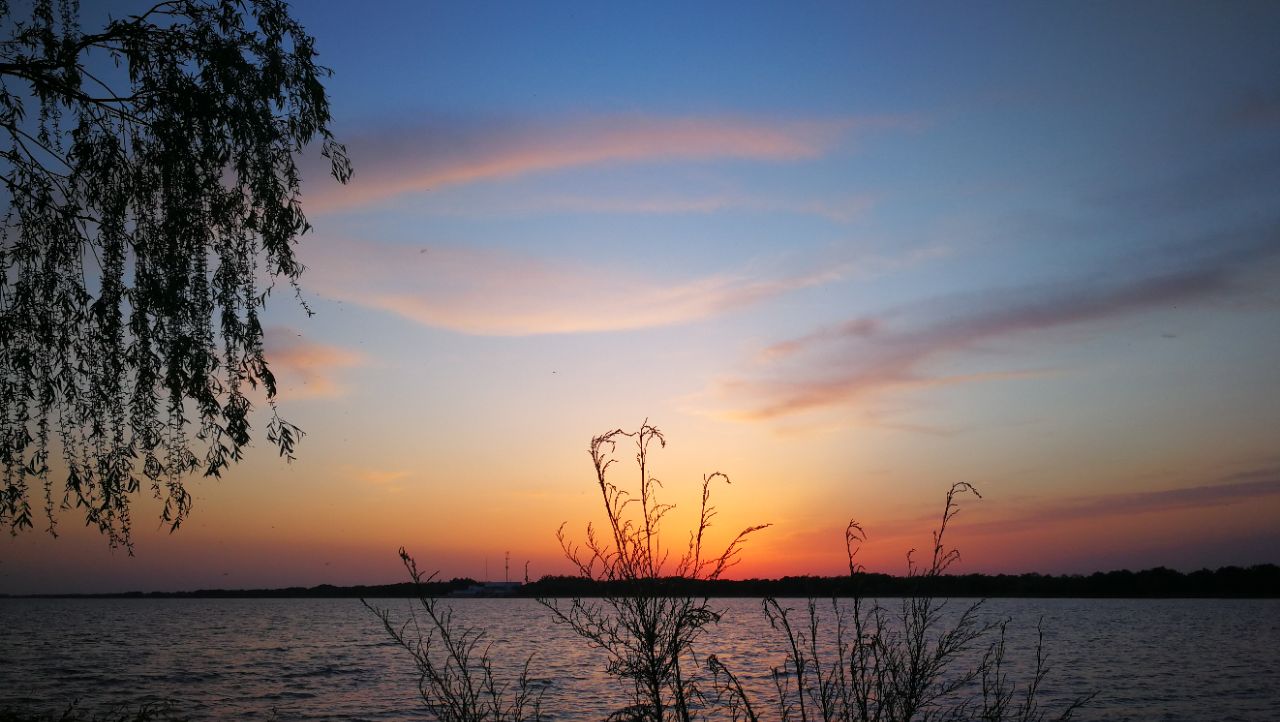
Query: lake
[330, 659]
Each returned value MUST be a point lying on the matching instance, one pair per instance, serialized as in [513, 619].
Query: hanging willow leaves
[152, 199]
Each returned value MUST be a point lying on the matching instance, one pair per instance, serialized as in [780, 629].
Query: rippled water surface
[329, 659]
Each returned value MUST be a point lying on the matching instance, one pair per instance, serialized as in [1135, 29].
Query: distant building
[488, 589]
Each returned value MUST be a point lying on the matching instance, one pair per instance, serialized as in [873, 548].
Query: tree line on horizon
[1259, 581]
[1262, 580]
[150, 202]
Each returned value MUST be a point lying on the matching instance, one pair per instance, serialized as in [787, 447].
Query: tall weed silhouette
[648, 632]
[852, 659]
[871, 661]
[455, 671]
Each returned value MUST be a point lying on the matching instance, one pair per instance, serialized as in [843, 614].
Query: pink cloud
[1255, 109]
[867, 355]
[498, 293]
[392, 164]
[305, 369]
[842, 211]
[383, 478]
[1255, 486]
[837, 210]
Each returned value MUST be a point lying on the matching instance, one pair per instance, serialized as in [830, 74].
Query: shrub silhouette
[150, 712]
[647, 632]
[869, 662]
[863, 660]
[455, 672]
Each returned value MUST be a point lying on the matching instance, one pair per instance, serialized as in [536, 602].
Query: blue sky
[846, 253]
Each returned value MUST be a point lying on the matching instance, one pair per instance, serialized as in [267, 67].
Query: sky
[846, 254]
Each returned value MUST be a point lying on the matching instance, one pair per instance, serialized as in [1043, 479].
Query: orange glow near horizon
[231, 545]
[847, 256]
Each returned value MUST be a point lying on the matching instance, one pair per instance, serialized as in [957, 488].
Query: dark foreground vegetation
[866, 647]
[645, 606]
[1261, 581]
[162, 712]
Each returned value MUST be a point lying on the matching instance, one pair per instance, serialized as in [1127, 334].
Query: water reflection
[329, 659]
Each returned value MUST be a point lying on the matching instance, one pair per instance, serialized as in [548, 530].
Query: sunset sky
[846, 254]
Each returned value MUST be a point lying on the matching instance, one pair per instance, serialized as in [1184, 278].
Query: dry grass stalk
[648, 633]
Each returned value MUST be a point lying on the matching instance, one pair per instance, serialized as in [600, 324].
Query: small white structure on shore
[488, 589]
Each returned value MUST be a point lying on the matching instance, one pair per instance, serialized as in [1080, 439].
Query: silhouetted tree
[148, 170]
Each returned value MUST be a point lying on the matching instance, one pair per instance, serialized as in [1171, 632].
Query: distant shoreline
[1256, 582]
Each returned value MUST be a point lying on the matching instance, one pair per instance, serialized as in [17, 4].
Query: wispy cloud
[378, 477]
[391, 164]
[498, 293]
[998, 519]
[842, 211]
[838, 209]
[1246, 178]
[868, 354]
[1257, 109]
[1256, 484]
[305, 369]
